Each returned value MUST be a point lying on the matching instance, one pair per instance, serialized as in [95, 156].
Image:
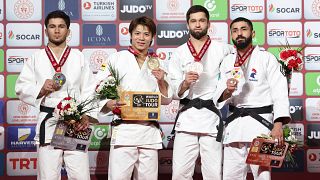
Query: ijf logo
[253, 74]
[313, 160]
[99, 34]
[312, 33]
[21, 137]
[313, 109]
[279, 32]
[285, 9]
[23, 10]
[70, 7]
[312, 9]
[19, 34]
[133, 9]
[247, 8]
[99, 10]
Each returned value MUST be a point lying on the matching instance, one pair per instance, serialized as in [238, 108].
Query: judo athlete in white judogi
[194, 71]
[135, 144]
[35, 86]
[258, 89]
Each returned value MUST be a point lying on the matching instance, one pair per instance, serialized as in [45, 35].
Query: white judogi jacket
[195, 120]
[142, 134]
[261, 84]
[79, 83]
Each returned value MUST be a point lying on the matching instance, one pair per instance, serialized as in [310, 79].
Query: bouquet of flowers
[110, 87]
[293, 142]
[290, 60]
[70, 110]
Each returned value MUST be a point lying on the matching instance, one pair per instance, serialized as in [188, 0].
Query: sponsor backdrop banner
[101, 27]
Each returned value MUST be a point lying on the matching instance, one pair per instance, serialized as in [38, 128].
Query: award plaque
[140, 106]
[65, 137]
[265, 152]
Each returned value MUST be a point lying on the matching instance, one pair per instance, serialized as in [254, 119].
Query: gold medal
[153, 63]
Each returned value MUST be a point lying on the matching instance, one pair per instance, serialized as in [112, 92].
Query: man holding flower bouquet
[46, 82]
[257, 94]
[134, 143]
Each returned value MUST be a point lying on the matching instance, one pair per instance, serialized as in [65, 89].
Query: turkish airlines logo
[124, 30]
[87, 5]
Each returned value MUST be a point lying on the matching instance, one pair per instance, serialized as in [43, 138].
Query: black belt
[48, 110]
[241, 112]
[196, 103]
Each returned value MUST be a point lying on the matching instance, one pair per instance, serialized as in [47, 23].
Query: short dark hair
[144, 21]
[195, 9]
[239, 19]
[57, 14]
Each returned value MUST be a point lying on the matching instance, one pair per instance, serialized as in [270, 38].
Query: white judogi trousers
[50, 160]
[187, 147]
[123, 160]
[235, 166]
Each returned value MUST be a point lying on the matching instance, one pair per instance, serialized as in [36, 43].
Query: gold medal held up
[153, 63]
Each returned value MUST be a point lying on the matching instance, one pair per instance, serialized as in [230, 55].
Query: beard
[198, 35]
[242, 44]
[57, 42]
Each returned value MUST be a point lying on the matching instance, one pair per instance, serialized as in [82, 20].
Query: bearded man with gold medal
[52, 74]
[194, 69]
[135, 143]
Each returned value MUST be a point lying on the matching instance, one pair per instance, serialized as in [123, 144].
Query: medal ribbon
[136, 53]
[198, 57]
[57, 66]
[242, 59]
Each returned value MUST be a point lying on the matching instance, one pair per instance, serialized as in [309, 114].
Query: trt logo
[23, 163]
[133, 9]
[313, 135]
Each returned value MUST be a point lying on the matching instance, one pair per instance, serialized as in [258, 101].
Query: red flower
[66, 107]
[116, 111]
[59, 106]
[67, 98]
